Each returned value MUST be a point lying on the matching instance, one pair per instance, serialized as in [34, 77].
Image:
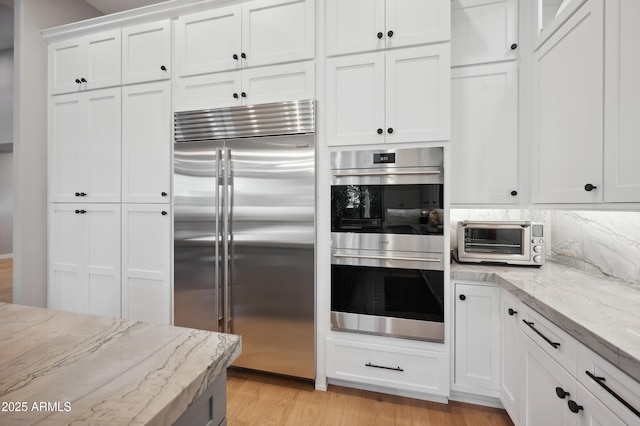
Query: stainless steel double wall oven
[387, 263]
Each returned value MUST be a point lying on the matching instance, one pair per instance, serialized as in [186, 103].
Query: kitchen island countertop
[600, 312]
[59, 368]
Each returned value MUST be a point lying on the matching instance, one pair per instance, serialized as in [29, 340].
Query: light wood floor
[6, 280]
[260, 399]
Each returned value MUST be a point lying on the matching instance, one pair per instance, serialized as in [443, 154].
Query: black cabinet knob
[83, 194]
[588, 187]
[77, 194]
[514, 46]
[574, 407]
[390, 34]
[235, 56]
[561, 393]
[243, 56]
[164, 194]
[164, 213]
[390, 130]
[514, 193]
[512, 312]
[77, 211]
[243, 94]
[163, 68]
[380, 131]
[78, 80]
[235, 95]
[83, 80]
[380, 35]
[462, 297]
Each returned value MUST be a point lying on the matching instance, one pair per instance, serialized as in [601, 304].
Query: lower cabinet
[510, 365]
[408, 369]
[84, 258]
[146, 263]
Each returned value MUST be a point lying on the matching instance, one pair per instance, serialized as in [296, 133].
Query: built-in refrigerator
[244, 230]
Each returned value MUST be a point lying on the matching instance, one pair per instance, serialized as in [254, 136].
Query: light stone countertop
[601, 313]
[103, 371]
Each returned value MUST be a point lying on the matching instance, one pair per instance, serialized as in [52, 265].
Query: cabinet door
[411, 22]
[484, 134]
[568, 111]
[66, 64]
[354, 26]
[67, 285]
[292, 39]
[146, 52]
[483, 31]
[279, 83]
[622, 109]
[103, 60]
[207, 41]
[101, 147]
[511, 360]
[477, 351]
[594, 412]
[217, 90]
[146, 143]
[101, 250]
[67, 124]
[355, 99]
[540, 404]
[418, 94]
[146, 259]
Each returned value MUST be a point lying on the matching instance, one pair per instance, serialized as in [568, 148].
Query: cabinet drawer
[619, 392]
[390, 366]
[550, 338]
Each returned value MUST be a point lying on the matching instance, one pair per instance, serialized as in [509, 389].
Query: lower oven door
[398, 294]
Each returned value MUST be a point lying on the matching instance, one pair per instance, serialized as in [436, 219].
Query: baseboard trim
[6, 256]
[487, 401]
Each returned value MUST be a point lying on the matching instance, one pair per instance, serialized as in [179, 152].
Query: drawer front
[389, 366]
[556, 342]
[619, 392]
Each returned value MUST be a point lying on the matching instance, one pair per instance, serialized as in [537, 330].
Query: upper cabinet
[366, 25]
[84, 63]
[146, 52]
[483, 31]
[551, 15]
[254, 33]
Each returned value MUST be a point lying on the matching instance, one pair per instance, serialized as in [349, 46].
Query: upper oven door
[494, 241]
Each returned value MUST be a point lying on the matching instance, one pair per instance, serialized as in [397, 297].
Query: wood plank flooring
[261, 399]
[6, 280]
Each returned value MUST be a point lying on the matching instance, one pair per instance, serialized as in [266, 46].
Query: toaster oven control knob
[537, 259]
[537, 249]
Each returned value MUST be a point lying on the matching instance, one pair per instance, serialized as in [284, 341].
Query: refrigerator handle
[226, 238]
[218, 309]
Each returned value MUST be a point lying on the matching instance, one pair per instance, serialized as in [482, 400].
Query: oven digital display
[387, 158]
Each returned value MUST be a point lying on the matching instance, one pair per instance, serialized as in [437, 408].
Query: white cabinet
[592, 412]
[394, 96]
[477, 337]
[146, 260]
[146, 143]
[84, 146]
[510, 354]
[84, 264]
[247, 87]
[622, 109]
[484, 134]
[146, 52]
[364, 25]
[254, 33]
[483, 31]
[88, 62]
[568, 100]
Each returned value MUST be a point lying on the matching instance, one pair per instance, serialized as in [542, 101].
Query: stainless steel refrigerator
[244, 230]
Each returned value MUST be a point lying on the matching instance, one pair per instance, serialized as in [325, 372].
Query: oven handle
[410, 259]
[431, 172]
[523, 224]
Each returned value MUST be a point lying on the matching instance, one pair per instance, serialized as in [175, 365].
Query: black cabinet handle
[243, 94]
[383, 367]
[588, 187]
[163, 68]
[83, 80]
[164, 194]
[512, 312]
[83, 211]
[380, 35]
[235, 95]
[83, 194]
[164, 213]
[546, 339]
[514, 193]
[380, 131]
[390, 130]
[600, 381]
[235, 56]
[243, 56]
[561, 393]
[462, 297]
[390, 34]
[78, 80]
[514, 46]
[574, 407]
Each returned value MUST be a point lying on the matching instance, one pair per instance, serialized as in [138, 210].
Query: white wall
[6, 158]
[30, 141]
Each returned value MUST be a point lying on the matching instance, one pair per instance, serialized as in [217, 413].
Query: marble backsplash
[606, 243]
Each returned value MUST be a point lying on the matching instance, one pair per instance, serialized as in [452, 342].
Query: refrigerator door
[197, 235]
[272, 236]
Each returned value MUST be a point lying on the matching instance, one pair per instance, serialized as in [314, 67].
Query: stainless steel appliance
[506, 242]
[387, 263]
[245, 230]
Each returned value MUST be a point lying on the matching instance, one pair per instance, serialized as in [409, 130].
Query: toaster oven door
[508, 242]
